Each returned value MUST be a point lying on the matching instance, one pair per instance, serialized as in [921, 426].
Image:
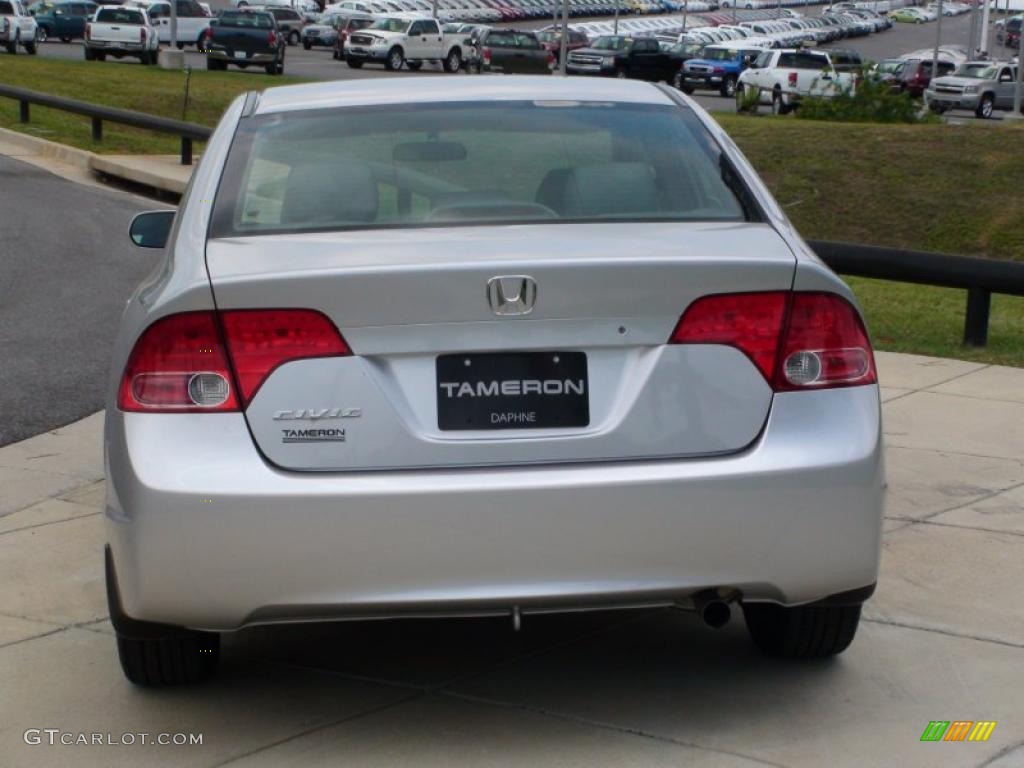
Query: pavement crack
[928, 521]
[625, 730]
[50, 522]
[320, 727]
[33, 637]
[977, 500]
[946, 632]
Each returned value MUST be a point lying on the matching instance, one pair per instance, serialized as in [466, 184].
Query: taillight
[260, 340]
[183, 363]
[792, 79]
[486, 53]
[178, 364]
[142, 34]
[272, 37]
[208, 34]
[551, 60]
[796, 340]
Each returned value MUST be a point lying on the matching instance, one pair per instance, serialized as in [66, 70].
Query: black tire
[12, 47]
[779, 107]
[100, 56]
[30, 48]
[677, 81]
[687, 89]
[89, 55]
[728, 89]
[454, 61]
[308, 47]
[354, 63]
[985, 107]
[182, 658]
[214, 65]
[42, 33]
[622, 73]
[293, 38]
[806, 632]
[395, 59]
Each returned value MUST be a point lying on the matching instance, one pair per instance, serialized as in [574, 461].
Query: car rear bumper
[249, 58]
[205, 534]
[109, 47]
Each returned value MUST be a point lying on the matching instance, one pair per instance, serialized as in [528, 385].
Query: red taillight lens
[792, 79]
[259, 341]
[142, 34]
[272, 37]
[208, 34]
[486, 53]
[178, 364]
[797, 341]
[552, 60]
[825, 345]
[181, 362]
[751, 322]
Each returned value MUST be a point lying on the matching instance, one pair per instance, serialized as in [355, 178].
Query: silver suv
[980, 86]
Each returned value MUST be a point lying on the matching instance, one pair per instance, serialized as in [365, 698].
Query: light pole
[174, 24]
[686, 11]
[1019, 85]
[983, 44]
[615, 28]
[564, 42]
[938, 40]
[973, 32]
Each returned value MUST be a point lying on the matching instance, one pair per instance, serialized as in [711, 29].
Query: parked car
[910, 15]
[639, 58]
[329, 405]
[245, 38]
[64, 20]
[783, 77]
[889, 72]
[289, 21]
[551, 40]
[717, 69]
[192, 21]
[512, 52]
[17, 27]
[120, 32]
[980, 86]
[349, 22]
[395, 42]
[917, 73]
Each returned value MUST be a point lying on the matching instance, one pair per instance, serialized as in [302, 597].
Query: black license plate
[528, 390]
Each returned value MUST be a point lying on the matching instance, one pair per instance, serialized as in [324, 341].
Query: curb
[90, 162]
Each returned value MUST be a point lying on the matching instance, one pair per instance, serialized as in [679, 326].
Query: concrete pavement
[942, 639]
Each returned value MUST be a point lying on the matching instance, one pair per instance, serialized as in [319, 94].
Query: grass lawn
[953, 189]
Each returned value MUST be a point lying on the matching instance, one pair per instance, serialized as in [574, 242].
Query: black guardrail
[979, 277]
[188, 132]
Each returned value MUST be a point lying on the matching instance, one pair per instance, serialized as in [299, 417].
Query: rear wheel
[454, 61]
[806, 632]
[779, 107]
[728, 89]
[293, 38]
[30, 48]
[42, 33]
[395, 60]
[89, 55]
[101, 56]
[308, 46]
[985, 107]
[181, 657]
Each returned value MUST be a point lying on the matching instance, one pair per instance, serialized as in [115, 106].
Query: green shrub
[870, 101]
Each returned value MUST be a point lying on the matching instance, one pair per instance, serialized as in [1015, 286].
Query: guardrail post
[23, 111]
[97, 129]
[979, 303]
[186, 151]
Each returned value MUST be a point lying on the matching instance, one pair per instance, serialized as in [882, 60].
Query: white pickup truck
[16, 27]
[118, 32]
[783, 77]
[394, 42]
[193, 20]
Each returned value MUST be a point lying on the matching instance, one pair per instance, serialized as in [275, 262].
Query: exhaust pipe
[712, 609]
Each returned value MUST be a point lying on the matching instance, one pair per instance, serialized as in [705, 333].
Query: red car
[917, 73]
[551, 40]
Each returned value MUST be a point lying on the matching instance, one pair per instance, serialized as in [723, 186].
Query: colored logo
[958, 730]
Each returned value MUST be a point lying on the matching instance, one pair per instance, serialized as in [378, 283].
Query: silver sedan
[477, 347]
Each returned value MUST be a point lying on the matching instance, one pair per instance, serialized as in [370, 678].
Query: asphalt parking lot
[317, 64]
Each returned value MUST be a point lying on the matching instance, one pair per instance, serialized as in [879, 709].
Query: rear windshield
[390, 25]
[6, 9]
[466, 163]
[512, 40]
[119, 16]
[246, 20]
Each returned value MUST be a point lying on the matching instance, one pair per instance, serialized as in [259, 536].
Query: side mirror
[151, 229]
